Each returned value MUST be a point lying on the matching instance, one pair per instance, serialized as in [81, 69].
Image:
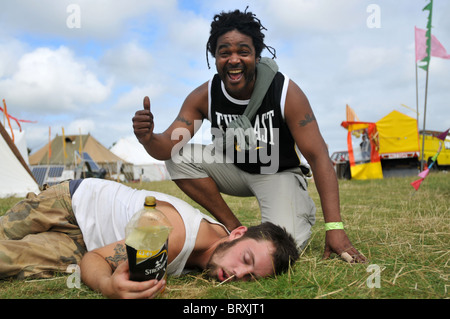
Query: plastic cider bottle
[146, 240]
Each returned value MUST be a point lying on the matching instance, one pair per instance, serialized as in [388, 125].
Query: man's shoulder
[198, 99]
[200, 92]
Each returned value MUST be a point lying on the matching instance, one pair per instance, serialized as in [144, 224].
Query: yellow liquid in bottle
[150, 238]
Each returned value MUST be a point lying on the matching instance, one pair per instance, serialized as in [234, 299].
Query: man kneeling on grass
[83, 222]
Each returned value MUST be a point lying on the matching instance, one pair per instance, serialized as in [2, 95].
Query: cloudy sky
[87, 64]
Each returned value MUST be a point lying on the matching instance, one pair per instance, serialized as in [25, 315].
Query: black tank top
[276, 150]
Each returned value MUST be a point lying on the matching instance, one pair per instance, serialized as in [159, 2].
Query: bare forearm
[96, 272]
[328, 189]
[160, 146]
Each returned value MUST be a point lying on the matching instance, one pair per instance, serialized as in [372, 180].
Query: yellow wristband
[331, 226]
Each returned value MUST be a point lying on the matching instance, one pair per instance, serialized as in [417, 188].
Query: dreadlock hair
[244, 22]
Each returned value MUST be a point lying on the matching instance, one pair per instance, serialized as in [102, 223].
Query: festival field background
[404, 233]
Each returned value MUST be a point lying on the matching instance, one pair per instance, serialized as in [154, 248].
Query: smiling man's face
[236, 63]
[244, 258]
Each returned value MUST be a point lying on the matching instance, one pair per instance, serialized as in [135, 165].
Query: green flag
[426, 59]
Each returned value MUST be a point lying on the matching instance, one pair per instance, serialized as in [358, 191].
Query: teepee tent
[63, 150]
[15, 177]
[21, 143]
[145, 167]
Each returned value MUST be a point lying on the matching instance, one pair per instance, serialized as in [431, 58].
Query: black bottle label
[146, 265]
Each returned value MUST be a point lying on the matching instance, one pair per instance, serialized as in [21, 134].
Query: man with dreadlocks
[282, 123]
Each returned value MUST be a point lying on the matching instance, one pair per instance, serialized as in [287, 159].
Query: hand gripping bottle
[146, 240]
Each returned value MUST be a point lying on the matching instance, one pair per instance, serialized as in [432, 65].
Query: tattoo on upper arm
[308, 119]
[120, 254]
[182, 119]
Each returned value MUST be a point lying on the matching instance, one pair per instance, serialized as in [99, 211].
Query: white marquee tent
[16, 179]
[145, 167]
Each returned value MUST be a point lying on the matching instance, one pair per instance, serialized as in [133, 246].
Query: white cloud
[83, 126]
[128, 63]
[10, 52]
[132, 100]
[293, 16]
[190, 34]
[48, 80]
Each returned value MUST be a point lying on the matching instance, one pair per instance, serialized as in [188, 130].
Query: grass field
[405, 235]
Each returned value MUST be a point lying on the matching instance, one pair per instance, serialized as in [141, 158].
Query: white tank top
[103, 208]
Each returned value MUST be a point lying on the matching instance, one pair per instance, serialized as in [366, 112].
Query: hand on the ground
[336, 241]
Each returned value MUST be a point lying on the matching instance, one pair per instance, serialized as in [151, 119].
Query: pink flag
[424, 173]
[437, 49]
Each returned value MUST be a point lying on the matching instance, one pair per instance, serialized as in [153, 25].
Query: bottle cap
[150, 201]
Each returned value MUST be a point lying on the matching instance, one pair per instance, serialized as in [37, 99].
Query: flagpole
[428, 7]
[424, 117]
[417, 85]
[417, 101]
[417, 114]
[417, 104]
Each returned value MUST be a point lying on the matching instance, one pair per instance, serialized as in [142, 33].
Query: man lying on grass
[83, 222]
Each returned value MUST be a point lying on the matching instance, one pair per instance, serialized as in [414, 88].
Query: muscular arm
[305, 130]
[161, 146]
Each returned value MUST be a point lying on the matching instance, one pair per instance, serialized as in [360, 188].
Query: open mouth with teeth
[235, 75]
